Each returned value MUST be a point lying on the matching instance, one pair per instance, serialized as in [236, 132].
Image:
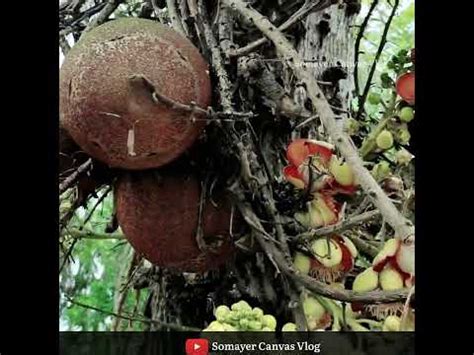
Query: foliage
[91, 278]
[400, 37]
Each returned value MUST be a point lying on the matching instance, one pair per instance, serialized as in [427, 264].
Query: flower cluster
[241, 317]
[392, 269]
[316, 169]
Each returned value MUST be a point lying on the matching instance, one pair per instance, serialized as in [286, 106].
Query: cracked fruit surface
[158, 214]
[111, 115]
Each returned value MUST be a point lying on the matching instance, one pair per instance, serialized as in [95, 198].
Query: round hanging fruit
[117, 89]
[159, 214]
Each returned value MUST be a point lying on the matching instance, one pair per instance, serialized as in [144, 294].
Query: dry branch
[307, 8]
[340, 226]
[104, 14]
[71, 179]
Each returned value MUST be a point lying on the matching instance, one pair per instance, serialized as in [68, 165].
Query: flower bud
[384, 140]
[366, 281]
[390, 279]
[327, 252]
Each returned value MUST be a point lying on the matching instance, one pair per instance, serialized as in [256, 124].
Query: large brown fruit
[158, 213]
[107, 83]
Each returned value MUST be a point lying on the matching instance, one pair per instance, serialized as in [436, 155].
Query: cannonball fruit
[112, 85]
[158, 213]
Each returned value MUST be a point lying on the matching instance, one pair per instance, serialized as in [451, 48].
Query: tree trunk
[325, 38]
[328, 47]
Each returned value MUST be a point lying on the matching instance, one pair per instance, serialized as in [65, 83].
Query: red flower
[313, 164]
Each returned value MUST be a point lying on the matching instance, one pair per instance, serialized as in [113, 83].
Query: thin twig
[136, 319]
[89, 234]
[295, 18]
[67, 255]
[364, 246]
[73, 244]
[376, 59]
[193, 108]
[98, 202]
[340, 226]
[71, 179]
[104, 14]
[360, 34]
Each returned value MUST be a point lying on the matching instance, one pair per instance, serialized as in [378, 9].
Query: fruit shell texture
[99, 106]
[158, 213]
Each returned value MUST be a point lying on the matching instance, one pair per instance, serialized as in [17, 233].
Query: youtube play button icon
[197, 347]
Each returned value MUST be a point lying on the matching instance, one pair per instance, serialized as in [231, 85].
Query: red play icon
[197, 347]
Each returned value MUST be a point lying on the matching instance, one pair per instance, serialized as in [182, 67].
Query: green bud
[269, 321]
[384, 140]
[241, 306]
[255, 325]
[302, 263]
[366, 281]
[313, 309]
[391, 324]
[221, 313]
[374, 98]
[351, 126]
[406, 114]
[244, 323]
[403, 136]
[289, 327]
[232, 317]
[257, 313]
[403, 156]
[381, 170]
